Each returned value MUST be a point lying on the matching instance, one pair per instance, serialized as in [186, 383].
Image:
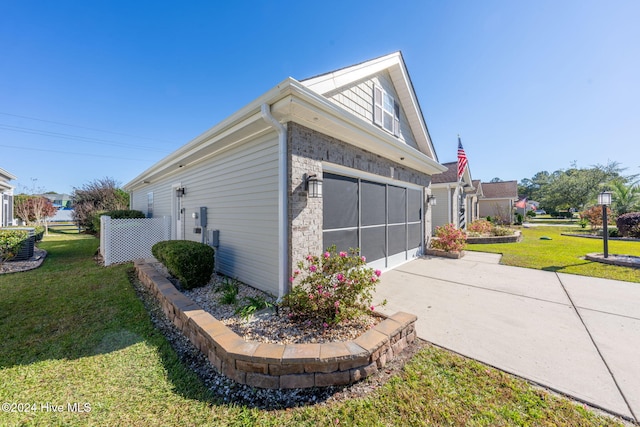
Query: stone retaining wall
[274, 365]
[517, 237]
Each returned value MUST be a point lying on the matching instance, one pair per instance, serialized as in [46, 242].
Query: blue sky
[106, 88]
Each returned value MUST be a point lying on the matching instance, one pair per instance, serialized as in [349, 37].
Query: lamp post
[604, 199]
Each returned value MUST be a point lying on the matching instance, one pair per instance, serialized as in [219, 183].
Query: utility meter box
[203, 217]
[214, 238]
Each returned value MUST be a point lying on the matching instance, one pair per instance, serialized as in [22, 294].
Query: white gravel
[228, 391]
[268, 325]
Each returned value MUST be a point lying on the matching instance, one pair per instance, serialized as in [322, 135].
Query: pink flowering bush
[449, 238]
[332, 287]
[480, 226]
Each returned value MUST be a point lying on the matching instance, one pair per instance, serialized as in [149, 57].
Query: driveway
[576, 335]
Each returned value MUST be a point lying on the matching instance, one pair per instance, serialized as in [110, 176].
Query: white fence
[123, 240]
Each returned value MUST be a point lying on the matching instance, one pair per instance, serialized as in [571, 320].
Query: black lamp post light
[604, 199]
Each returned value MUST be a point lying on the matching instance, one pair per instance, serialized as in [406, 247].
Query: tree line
[578, 188]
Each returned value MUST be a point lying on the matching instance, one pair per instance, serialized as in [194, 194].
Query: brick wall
[307, 149]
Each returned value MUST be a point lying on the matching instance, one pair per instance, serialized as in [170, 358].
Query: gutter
[283, 231]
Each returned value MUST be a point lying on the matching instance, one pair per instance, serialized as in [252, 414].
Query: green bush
[229, 289]
[39, 232]
[11, 242]
[118, 214]
[189, 262]
[518, 218]
[501, 231]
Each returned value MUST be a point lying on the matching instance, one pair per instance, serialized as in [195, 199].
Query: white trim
[356, 173]
[176, 223]
[283, 215]
[293, 101]
[388, 262]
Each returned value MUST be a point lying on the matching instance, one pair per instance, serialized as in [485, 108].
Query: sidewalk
[576, 335]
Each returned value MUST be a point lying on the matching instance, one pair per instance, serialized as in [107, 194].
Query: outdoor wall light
[180, 192]
[604, 199]
[431, 200]
[313, 185]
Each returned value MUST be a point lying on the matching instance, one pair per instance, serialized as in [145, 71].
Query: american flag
[462, 159]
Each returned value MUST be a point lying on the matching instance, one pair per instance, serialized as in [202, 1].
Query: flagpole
[462, 165]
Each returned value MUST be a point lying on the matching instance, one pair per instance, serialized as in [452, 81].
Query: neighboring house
[473, 200]
[358, 129]
[498, 200]
[456, 200]
[59, 200]
[6, 198]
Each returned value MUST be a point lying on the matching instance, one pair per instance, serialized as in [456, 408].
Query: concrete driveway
[576, 335]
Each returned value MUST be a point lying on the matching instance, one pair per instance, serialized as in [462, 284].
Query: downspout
[283, 219]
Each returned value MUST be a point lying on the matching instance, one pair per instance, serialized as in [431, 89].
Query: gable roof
[500, 190]
[450, 175]
[394, 64]
[293, 101]
[478, 186]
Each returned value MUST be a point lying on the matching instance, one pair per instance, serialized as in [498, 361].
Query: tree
[576, 188]
[43, 209]
[625, 197]
[33, 209]
[594, 216]
[99, 195]
[531, 188]
[496, 179]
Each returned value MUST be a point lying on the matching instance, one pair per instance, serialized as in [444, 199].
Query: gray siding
[440, 212]
[358, 99]
[239, 187]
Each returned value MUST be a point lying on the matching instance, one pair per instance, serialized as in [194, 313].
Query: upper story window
[386, 111]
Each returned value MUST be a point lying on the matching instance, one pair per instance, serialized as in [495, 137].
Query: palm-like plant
[626, 197]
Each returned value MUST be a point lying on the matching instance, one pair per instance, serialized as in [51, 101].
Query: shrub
[480, 226]
[331, 287]
[594, 216]
[99, 195]
[449, 238]
[189, 262]
[11, 242]
[613, 232]
[229, 289]
[252, 305]
[518, 218]
[501, 231]
[39, 232]
[629, 224]
[117, 214]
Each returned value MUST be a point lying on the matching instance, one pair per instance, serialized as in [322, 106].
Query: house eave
[290, 101]
[316, 112]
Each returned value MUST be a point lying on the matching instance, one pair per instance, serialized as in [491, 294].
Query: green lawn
[563, 253]
[75, 333]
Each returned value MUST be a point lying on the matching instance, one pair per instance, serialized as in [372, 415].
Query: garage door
[383, 220]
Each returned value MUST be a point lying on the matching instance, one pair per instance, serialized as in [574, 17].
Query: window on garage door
[383, 220]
